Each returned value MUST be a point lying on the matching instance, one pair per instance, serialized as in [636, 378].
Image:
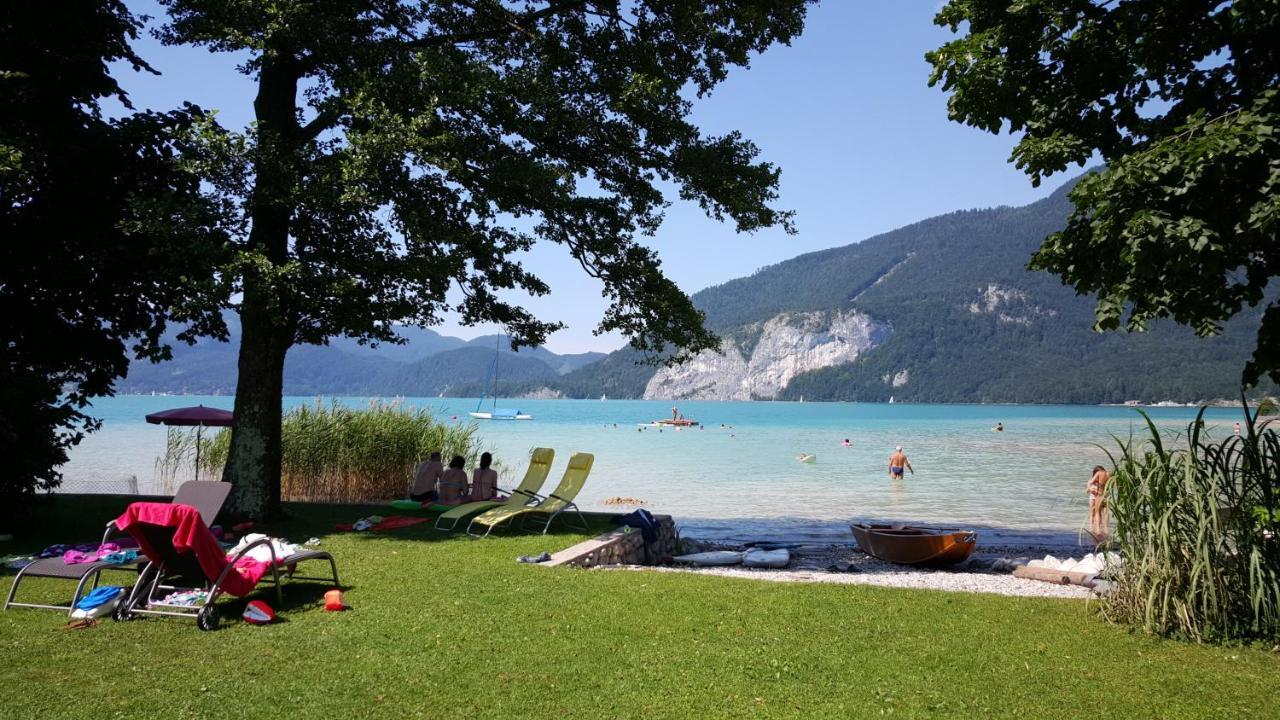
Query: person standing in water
[1097, 487]
[897, 461]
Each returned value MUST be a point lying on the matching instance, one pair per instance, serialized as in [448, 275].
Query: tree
[1180, 100]
[104, 232]
[405, 154]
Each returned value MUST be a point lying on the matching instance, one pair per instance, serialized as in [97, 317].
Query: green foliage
[1268, 407]
[338, 454]
[536, 642]
[104, 233]
[1180, 100]
[406, 154]
[1197, 527]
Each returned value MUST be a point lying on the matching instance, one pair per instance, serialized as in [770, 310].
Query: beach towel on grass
[391, 522]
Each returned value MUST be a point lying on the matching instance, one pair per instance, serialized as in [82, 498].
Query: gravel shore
[832, 563]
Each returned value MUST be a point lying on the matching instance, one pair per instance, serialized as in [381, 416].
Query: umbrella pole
[199, 430]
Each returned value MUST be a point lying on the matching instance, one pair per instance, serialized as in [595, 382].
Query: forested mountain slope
[943, 310]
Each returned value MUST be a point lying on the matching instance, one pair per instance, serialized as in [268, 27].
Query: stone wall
[624, 546]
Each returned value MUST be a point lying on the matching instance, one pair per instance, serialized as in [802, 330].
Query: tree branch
[511, 23]
[325, 120]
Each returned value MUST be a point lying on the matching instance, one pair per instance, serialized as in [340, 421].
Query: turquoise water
[743, 479]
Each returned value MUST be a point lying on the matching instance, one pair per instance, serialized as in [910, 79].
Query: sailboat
[497, 413]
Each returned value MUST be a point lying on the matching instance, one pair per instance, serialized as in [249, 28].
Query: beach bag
[98, 603]
[258, 613]
[647, 524]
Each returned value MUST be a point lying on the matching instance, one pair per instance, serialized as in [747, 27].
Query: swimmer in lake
[846, 443]
[999, 427]
[897, 461]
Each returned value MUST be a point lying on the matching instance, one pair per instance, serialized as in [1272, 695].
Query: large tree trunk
[253, 465]
[266, 313]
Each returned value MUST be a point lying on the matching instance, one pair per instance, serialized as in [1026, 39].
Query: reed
[178, 460]
[337, 454]
[1196, 523]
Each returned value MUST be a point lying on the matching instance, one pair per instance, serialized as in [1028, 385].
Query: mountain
[463, 373]
[562, 364]
[943, 310]
[428, 364]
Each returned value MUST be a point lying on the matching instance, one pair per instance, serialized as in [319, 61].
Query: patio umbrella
[198, 416]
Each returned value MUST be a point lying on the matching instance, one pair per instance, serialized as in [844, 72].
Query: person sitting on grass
[453, 483]
[484, 480]
[426, 479]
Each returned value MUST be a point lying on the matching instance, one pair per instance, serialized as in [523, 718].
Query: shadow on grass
[73, 519]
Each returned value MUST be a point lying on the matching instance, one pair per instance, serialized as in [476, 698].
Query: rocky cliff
[788, 344]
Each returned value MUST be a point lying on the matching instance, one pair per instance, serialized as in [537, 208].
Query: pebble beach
[982, 573]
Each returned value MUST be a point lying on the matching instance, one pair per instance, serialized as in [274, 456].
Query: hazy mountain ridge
[428, 364]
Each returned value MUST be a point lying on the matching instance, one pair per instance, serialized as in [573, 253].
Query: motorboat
[669, 422]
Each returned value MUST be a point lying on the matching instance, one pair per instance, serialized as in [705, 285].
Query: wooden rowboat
[914, 545]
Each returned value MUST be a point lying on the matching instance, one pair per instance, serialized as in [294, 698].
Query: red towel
[396, 522]
[190, 535]
[392, 522]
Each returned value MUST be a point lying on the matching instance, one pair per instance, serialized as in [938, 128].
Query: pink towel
[190, 535]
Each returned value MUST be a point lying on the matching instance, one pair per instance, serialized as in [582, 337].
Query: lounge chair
[179, 546]
[527, 492]
[206, 497]
[575, 476]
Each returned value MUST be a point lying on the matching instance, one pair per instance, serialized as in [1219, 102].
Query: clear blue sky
[864, 146]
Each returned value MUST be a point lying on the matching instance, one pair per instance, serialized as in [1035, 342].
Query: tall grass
[337, 454]
[178, 462]
[1198, 529]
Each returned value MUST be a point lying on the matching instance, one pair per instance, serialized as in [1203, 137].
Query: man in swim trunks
[897, 461]
[425, 479]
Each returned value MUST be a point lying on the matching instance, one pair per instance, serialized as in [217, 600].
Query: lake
[737, 477]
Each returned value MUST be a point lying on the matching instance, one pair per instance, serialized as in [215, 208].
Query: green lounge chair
[534, 477]
[575, 476]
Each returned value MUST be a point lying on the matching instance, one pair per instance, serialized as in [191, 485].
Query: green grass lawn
[452, 627]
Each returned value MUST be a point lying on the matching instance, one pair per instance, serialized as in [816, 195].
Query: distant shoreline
[1219, 403]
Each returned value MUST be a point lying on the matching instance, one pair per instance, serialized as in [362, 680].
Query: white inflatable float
[713, 557]
[758, 558]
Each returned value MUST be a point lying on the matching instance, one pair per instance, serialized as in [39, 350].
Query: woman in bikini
[453, 483]
[1097, 487]
[484, 480]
